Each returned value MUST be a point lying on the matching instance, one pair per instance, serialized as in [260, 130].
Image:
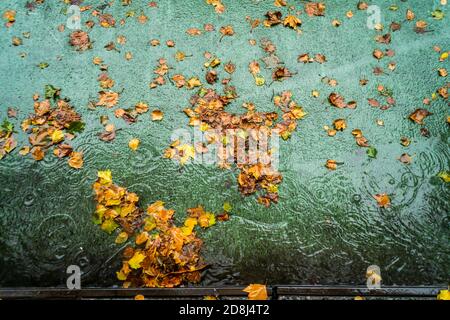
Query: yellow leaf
[206, 220]
[134, 144]
[136, 260]
[180, 55]
[292, 21]
[57, 136]
[298, 113]
[190, 222]
[444, 175]
[443, 295]
[193, 82]
[105, 176]
[139, 297]
[24, 150]
[259, 80]
[256, 292]
[10, 15]
[157, 115]
[122, 237]
[109, 226]
[97, 60]
[227, 207]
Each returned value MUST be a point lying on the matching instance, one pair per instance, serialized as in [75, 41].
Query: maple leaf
[292, 21]
[107, 99]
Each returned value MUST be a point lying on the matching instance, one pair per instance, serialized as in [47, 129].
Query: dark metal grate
[275, 292]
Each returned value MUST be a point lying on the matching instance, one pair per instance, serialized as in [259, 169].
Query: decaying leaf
[419, 115]
[80, 40]
[337, 100]
[405, 158]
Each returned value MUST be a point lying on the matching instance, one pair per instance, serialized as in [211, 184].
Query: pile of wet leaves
[160, 253]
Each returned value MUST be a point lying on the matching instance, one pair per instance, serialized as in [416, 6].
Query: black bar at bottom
[198, 292]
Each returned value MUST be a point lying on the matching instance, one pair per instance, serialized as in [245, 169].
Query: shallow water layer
[326, 228]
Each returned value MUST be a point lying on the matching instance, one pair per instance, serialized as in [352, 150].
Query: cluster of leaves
[163, 254]
[274, 18]
[272, 62]
[161, 70]
[53, 122]
[115, 205]
[7, 141]
[208, 113]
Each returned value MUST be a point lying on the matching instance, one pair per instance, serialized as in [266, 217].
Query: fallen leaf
[256, 292]
[419, 115]
[76, 160]
[133, 144]
[383, 200]
[337, 100]
[157, 115]
[405, 158]
[292, 21]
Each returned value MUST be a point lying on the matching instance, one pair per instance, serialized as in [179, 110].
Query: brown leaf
[405, 158]
[62, 150]
[193, 32]
[12, 113]
[211, 76]
[337, 100]
[373, 103]
[37, 153]
[273, 18]
[315, 9]
[395, 26]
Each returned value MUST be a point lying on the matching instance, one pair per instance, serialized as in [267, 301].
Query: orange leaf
[256, 292]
